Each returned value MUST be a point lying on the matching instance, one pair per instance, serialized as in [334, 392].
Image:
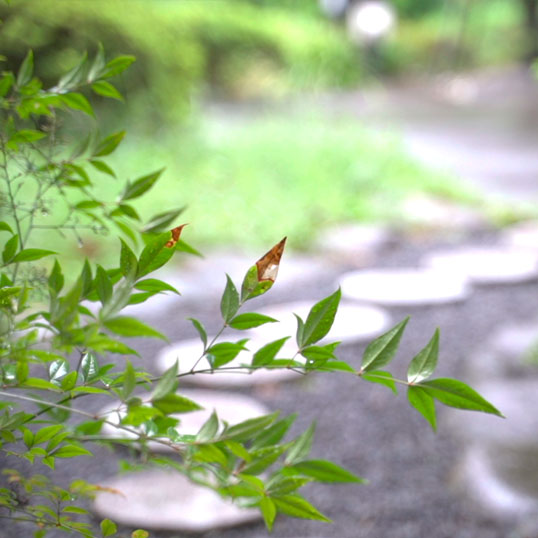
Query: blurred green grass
[250, 181]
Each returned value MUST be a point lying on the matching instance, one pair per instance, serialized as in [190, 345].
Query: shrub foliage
[63, 337]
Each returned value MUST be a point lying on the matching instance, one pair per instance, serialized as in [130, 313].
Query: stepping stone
[188, 352]
[167, 500]
[352, 323]
[404, 287]
[500, 465]
[492, 265]
[231, 407]
[353, 243]
[512, 352]
[522, 235]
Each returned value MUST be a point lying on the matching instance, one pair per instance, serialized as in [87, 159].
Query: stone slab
[499, 467]
[353, 243]
[404, 287]
[167, 500]
[352, 323]
[487, 265]
[231, 407]
[522, 235]
[188, 352]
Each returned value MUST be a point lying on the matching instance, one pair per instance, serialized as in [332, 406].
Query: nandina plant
[61, 335]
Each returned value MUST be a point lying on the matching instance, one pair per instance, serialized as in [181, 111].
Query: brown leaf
[176, 232]
[268, 264]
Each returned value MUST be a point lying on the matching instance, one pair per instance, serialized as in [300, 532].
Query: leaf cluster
[63, 340]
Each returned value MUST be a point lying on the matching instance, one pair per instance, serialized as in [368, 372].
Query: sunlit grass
[249, 182]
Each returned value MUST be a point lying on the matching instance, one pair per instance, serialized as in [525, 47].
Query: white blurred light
[370, 20]
[333, 8]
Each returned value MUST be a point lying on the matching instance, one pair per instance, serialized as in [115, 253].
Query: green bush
[57, 352]
[184, 49]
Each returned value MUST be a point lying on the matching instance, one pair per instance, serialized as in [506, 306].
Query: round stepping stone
[404, 287]
[492, 265]
[231, 407]
[353, 243]
[188, 352]
[522, 235]
[167, 500]
[352, 323]
[499, 466]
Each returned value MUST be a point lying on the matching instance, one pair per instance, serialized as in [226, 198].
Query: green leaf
[320, 319]
[6, 83]
[222, 353]
[25, 136]
[26, 70]
[10, 248]
[141, 185]
[229, 303]
[175, 403]
[209, 429]
[139, 533]
[58, 369]
[457, 394]
[167, 384]
[38, 383]
[108, 528]
[320, 353]
[326, 471]
[108, 144]
[71, 451]
[300, 448]
[281, 484]
[56, 278]
[129, 380]
[103, 285]
[274, 433]
[423, 365]
[102, 167]
[250, 320]
[382, 377]
[73, 77]
[116, 66]
[381, 351]
[244, 430]
[98, 64]
[423, 403]
[154, 255]
[201, 330]
[128, 261]
[251, 287]
[155, 286]
[104, 88]
[46, 433]
[295, 506]
[132, 327]
[88, 367]
[237, 449]
[69, 381]
[162, 221]
[268, 510]
[77, 101]
[268, 352]
[263, 458]
[5, 227]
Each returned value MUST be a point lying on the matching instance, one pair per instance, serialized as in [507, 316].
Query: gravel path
[412, 491]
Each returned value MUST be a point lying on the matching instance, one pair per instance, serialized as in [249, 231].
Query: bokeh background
[280, 117]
